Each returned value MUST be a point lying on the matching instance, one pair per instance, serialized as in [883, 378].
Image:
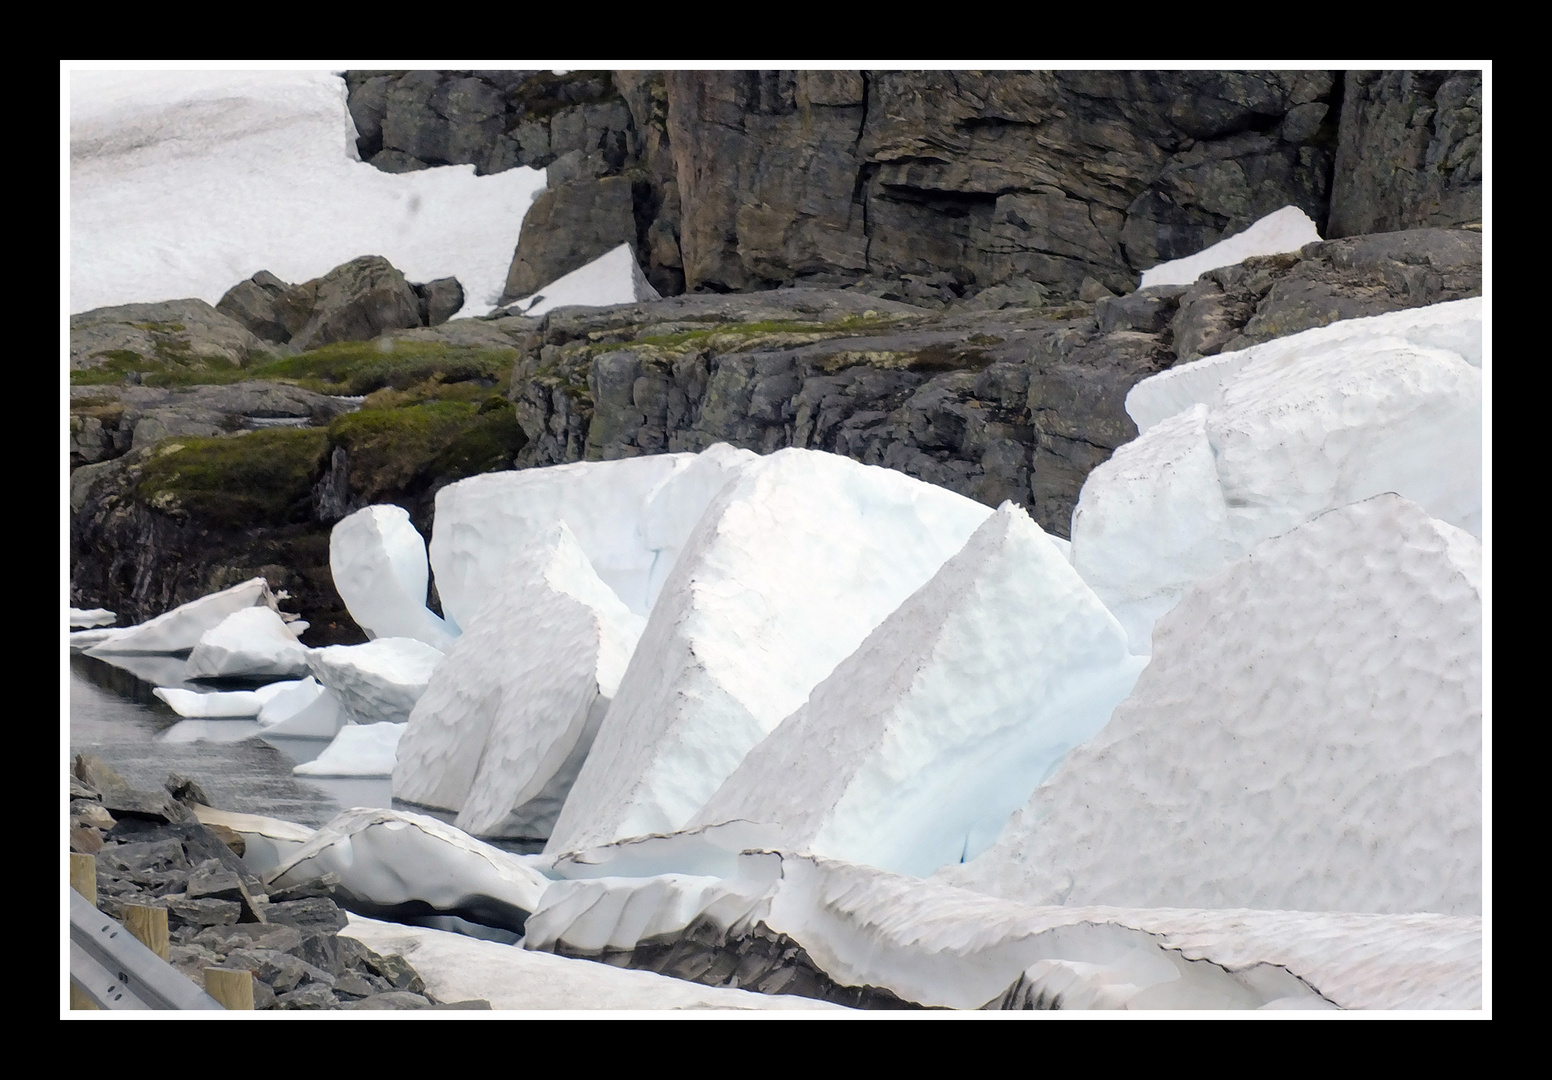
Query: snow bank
[509, 715]
[253, 641]
[183, 183]
[798, 558]
[912, 753]
[180, 629]
[378, 681]
[379, 565]
[1287, 229]
[612, 278]
[1308, 736]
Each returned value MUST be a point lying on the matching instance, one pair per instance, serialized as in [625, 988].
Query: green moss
[403, 450]
[261, 478]
[751, 332]
[360, 367]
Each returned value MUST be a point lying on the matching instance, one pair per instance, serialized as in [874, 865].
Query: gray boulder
[170, 332]
[355, 302]
[252, 303]
[568, 226]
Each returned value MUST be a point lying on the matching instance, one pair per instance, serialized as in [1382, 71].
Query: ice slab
[1287, 437]
[314, 712]
[379, 565]
[1455, 326]
[612, 278]
[180, 629]
[1287, 229]
[912, 753]
[699, 851]
[230, 703]
[391, 862]
[793, 563]
[1308, 736]
[378, 681]
[183, 183]
[459, 968]
[268, 841]
[357, 750]
[92, 617]
[253, 641]
[509, 715]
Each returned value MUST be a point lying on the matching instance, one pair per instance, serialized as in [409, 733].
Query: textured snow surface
[612, 278]
[378, 681]
[253, 641]
[792, 565]
[701, 851]
[93, 617]
[387, 857]
[1287, 229]
[1287, 436]
[912, 753]
[938, 945]
[183, 183]
[512, 710]
[1455, 326]
[180, 629]
[379, 565]
[357, 750]
[1308, 736]
[484, 521]
[458, 968]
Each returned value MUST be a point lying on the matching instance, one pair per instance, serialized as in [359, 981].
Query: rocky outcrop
[1007, 404]
[174, 332]
[949, 183]
[1409, 152]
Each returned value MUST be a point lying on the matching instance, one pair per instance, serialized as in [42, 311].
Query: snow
[797, 559]
[612, 278]
[184, 183]
[913, 752]
[484, 521]
[1308, 736]
[702, 851]
[510, 713]
[253, 641]
[389, 859]
[1291, 433]
[357, 750]
[180, 629]
[223, 703]
[458, 968]
[379, 565]
[92, 617]
[378, 681]
[320, 716]
[1287, 229]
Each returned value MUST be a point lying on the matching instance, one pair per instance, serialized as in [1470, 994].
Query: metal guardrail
[118, 972]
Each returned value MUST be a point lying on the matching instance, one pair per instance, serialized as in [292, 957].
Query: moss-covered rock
[256, 478]
[397, 452]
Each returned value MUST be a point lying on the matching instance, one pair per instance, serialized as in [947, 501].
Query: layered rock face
[933, 184]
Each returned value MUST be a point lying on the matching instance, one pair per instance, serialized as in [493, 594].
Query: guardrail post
[83, 879]
[233, 989]
[149, 925]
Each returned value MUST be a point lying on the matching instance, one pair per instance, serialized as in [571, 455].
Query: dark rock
[252, 304]
[1147, 310]
[309, 914]
[85, 840]
[211, 879]
[1409, 152]
[322, 886]
[223, 939]
[357, 301]
[204, 912]
[393, 999]
[185, 790]
[396, 970]
[439, 300]
[172, 333]
[311, 996]
[479, 1004]
[282, 971]
[567, 226]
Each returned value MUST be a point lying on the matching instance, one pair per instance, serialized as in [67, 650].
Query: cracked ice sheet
[458, 968]
[183, 183]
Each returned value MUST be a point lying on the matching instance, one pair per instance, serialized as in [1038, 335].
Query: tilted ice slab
[912, 753]
[181, 628]
[268, 841]
[236, 704]
[612, 278]
[460, 968]
[511, 712]
[253, 641]
[1287, 437]
[941, 946]
[792, 565]
[312, 711]
[391, 862]
[1454, 326]
[1287, 229]
[1308, 736]
[378, 681]
[357, 750]
[92, 617]
[631, 518]
[379, 565]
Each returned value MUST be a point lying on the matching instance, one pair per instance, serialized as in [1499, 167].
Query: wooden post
[83, 879]
[233, 989]
[149, 925]
[83, 875]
